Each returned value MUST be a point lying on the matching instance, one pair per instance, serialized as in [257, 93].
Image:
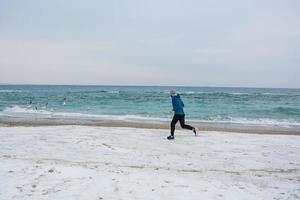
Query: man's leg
[182, 123]
[173, 123]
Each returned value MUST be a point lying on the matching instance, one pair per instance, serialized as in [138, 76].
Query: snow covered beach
[86, 162]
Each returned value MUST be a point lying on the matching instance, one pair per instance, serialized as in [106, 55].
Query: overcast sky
[253, 43]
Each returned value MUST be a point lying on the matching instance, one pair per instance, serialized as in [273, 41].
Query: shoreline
[36, 122]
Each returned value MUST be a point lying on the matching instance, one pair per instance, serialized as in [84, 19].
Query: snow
[85, 162]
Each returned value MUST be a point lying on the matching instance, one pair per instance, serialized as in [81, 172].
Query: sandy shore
[58, 121]
[81, 162]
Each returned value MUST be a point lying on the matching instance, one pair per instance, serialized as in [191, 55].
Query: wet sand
[57, 121]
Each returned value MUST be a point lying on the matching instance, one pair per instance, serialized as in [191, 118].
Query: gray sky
[253, 43]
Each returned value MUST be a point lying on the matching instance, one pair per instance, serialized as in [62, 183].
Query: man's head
[172, 93]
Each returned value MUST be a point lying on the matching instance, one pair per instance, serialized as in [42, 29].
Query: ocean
[261, 108]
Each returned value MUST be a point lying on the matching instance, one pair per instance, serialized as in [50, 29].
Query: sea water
[268, 107]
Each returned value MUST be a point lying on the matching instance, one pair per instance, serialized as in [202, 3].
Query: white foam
[255, 122]
[201, 92]
[114, 92]
[238, 93]
[10, 91]
[18, 111]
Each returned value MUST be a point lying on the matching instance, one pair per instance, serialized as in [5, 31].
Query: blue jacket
[177, 105]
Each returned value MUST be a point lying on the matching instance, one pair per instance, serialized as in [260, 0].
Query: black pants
[179, 118]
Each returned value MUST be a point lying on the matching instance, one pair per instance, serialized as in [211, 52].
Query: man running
[178, 115]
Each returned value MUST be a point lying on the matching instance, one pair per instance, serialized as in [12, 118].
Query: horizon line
[137, 85]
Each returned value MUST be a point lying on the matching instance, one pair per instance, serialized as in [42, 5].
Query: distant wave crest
[10, 91]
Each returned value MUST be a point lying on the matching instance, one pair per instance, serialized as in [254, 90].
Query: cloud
[66, 63]
[232, 43]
